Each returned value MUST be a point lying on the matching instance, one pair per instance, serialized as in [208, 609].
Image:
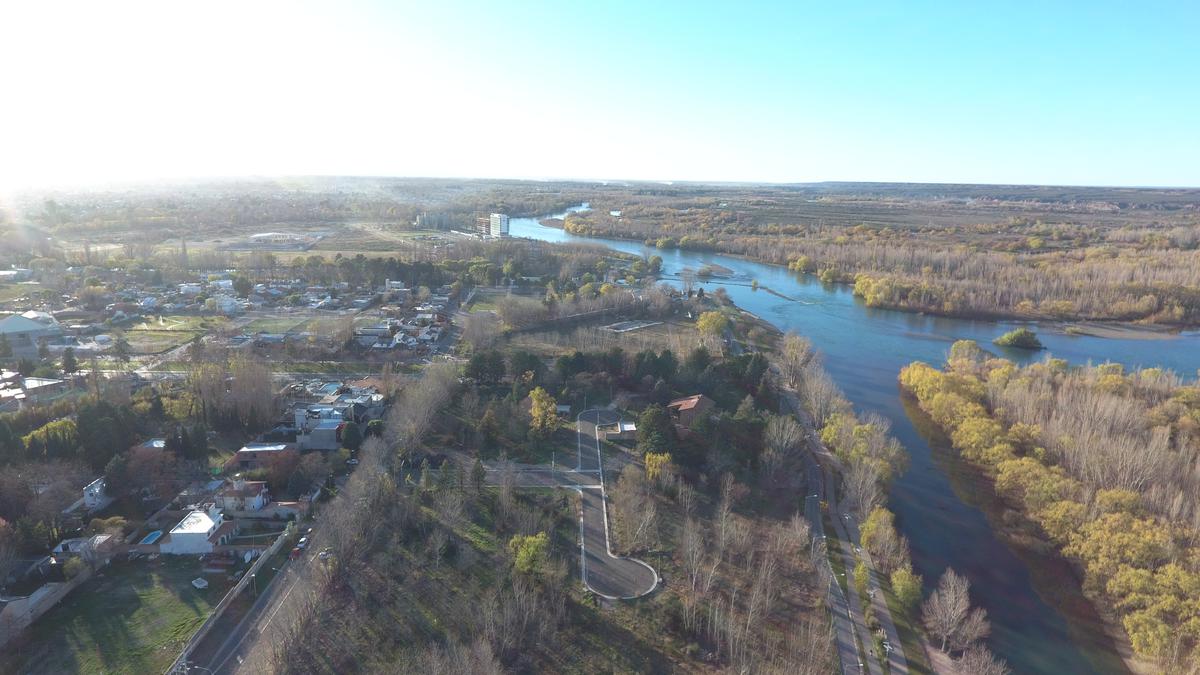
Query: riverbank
[1056, 579]
[863, 350]
[1083, 325]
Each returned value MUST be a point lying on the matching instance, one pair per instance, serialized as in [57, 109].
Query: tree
[543, 413]
[782, 439]
[656, 463]
[795, 353]
[712, 323]
[489, 426]
[11, 447]
[374, 429]
[121, 349]
[486, 367]
[1022, 338]
[8, 551]
[906, 584]
[242, 286]
[655, 431]
[352, 436]
[948, 616]
[862, 577]
[530, 553]
[478, 475]
[977, 660]
[69, 364]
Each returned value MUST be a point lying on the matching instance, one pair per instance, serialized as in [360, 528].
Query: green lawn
[278, 325]
[482, 305]
[133, 619]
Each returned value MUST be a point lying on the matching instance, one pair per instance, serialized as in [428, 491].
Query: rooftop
[686, 403]
[264, 447]
[196, 522]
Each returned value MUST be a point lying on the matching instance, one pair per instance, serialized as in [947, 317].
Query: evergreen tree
[69, 364]
[352, 437]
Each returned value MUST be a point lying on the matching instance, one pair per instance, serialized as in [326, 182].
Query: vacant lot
[183, 323]
[14, 291]
[158, 341]
[275, 325]
[131, 618]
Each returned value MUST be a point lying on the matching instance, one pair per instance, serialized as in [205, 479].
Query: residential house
[242, 495]
[24, 331]
[686, 411]
[94, 495]
[258, 455]
[200, 531]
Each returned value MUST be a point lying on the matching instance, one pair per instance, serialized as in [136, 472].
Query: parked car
[352, 462]
[302, 544]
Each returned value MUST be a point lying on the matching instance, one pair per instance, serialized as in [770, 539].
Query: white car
[302, 544]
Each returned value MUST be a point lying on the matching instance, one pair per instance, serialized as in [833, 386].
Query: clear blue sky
[1026, 92]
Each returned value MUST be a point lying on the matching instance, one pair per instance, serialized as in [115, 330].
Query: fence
[19, 613]
[179, 667]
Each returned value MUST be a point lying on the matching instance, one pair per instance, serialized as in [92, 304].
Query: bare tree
[635, 509]
[820, 394]
[862, 486]
[948, 615]
[796, 353]
[978, 660]
[782, 439]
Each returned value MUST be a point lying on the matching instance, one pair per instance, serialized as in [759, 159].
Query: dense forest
[1105, 462]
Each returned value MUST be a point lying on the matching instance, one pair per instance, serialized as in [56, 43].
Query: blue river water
[1040, 621]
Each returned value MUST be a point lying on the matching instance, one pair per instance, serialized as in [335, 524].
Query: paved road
[821, 481]
[609, 576]
[237, 651]
[843, 625]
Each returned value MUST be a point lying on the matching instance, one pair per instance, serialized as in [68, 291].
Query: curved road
[609, 576]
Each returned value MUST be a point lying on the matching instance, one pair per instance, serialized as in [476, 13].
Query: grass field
[133, 619]
[183, 323]
[280, 325]
[158, 341]
[14, 291]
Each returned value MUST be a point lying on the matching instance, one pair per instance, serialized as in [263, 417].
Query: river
[1040, 621]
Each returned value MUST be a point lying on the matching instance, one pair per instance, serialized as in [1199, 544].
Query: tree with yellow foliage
[543, 413]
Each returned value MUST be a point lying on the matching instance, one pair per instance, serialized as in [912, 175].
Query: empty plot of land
[130, 618]
[627, 326]
[158, 341]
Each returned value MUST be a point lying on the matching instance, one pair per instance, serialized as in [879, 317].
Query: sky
[1080, 93]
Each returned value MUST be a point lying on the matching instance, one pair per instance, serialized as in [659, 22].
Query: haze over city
[1093, 93]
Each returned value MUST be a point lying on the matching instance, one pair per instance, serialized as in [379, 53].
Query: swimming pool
[151, 537]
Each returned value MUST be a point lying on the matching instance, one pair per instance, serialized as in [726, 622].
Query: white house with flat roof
[200, 531]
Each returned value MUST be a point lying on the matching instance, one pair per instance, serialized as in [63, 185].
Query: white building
[242, 495]
[200, 531]
[94, 497]
[498, 225]
[23, 331]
